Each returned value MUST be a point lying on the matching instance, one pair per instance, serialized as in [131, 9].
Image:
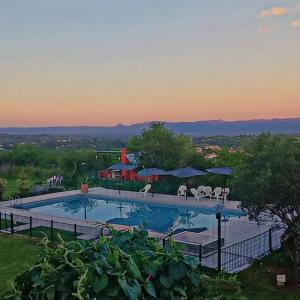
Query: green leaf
[180, 290]
[50, 293]
[100, 283]
[133, 270]
[150, 289]
[166, 281]
[195, 278]
[133, 289]
[113, 291]
[178, 271]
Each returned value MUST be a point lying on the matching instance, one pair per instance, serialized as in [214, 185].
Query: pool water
[157, 217]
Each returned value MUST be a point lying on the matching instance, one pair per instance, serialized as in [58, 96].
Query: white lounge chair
[181, 191]
[207, 191]
[216, 194]
[195, 193]
[226, 192]
[145, 190]
[200, 190]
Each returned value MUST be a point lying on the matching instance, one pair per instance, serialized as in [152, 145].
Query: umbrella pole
[152, 186]
[187, 187]
[225, 181]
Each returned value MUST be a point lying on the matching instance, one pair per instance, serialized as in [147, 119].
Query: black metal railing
[236, 256]
[39, 227]
[233, 257]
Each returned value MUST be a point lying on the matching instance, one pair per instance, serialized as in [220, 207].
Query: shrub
[3, 184]
[23, 183]
[127, 266]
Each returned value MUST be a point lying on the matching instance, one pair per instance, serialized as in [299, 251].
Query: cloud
[295, 23]
[274, 12]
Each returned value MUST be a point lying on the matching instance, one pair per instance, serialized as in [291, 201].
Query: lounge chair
[200, 190]
[195, 193]
[226, 192]
[145, 190]
[216, 194]
[181, 191]
[207, 191]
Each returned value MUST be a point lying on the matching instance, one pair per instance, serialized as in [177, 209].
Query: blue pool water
[160, 218]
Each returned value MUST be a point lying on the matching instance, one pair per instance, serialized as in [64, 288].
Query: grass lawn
[259, 281]
[15, 255]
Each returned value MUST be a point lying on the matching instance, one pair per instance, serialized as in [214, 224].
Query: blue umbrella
[187, 173]
[121, 167]
[221, 171]
[152, 172]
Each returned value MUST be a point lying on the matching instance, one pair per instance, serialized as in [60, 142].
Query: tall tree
[160, 147]
[268, 182]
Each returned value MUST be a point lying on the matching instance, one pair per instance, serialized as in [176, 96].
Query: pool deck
[156, 199]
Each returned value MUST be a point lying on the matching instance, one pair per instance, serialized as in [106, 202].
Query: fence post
[200, 253]
[12, 223]
[0, 221]
[5, 221]
[219, 216]
[270, 240]
[75, 231]
[30, 227]
[164, 242]
[51, 232]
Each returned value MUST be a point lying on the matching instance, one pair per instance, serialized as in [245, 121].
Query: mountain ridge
[194, 128]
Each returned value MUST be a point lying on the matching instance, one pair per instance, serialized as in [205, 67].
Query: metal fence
[237, 256]
[38, 227]
[234, 257]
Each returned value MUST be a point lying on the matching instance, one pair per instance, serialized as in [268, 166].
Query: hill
[198, 128]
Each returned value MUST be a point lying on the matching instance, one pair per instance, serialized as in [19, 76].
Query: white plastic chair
[226, 192]
[207, 191]
[145, 190]
[181, 191]
[217, 193]
[195, 193]
[200, 190]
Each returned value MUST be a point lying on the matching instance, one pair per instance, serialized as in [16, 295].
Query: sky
[105, 62]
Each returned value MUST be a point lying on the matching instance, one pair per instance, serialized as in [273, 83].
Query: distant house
[211, 156]
[125, 158]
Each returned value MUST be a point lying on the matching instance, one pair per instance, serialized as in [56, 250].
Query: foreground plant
[127, 266]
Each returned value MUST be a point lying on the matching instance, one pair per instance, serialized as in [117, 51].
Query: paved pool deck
[156, 199]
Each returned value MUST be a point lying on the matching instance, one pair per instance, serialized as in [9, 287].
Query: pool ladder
[16, 201]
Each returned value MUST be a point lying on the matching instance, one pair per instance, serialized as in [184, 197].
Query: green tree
[268, 181]
[160, 147]
[3, 184]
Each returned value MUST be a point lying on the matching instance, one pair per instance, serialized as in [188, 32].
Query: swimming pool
[157, 217]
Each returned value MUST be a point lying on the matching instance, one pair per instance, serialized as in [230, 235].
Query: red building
[126, 159]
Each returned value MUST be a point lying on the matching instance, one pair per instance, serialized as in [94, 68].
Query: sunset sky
[103, 62]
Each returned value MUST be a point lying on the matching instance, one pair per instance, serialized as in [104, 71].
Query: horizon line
[145, 122]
